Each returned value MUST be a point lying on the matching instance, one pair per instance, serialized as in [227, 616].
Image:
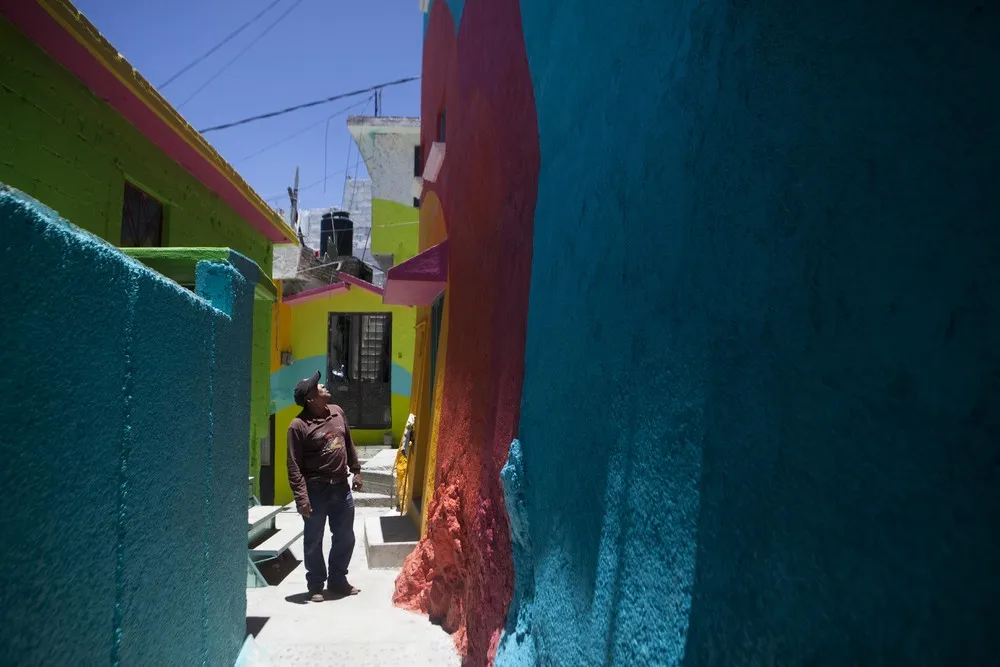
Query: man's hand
[357, 484]
[305, 511]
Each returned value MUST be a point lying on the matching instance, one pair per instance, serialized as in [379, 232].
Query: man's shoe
[316, 597]
[343, 590]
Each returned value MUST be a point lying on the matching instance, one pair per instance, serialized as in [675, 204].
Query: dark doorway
[359, 367]
[267, 466]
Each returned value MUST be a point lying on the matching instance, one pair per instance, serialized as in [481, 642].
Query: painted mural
[759, 413]
[461, 572]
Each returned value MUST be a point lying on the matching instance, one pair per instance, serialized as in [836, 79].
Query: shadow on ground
[255, 624]
[275, 571]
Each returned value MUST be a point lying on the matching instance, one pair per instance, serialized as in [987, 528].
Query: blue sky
[322, 48]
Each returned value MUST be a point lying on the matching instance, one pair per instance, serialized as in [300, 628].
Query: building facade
[85, 134]
[719, 315]
[363, 347]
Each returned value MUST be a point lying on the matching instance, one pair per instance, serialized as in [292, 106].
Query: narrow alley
[365, 630]
[636, 334]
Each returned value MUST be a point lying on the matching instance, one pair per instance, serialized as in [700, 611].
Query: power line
[307, 187]
[240, 54]
[218, 46]
[326, 142]
[300, 132]
[315, 103]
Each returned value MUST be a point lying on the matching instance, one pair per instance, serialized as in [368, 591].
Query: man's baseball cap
[304, 388]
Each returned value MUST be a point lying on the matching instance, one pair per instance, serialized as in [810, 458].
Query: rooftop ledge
[179, 264]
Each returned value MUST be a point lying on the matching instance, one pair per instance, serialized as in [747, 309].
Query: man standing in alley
[320, 455]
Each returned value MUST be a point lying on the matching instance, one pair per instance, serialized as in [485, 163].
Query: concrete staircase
[390, 538]
[265, 541]
[377, 472]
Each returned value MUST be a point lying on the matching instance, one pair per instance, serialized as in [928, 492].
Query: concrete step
[375, 483]
[377, 472]
[277, 544]
[368, 451]
[368, 499]
[259, 514]
[389, 539]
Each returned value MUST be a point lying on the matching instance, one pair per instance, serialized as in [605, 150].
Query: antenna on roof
[293, 197]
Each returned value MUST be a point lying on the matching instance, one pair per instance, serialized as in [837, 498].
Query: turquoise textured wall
[127, 542]
[761, 404]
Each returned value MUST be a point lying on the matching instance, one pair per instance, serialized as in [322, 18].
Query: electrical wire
[240, 54]
[326, 142]
[300, 132]
[314, 103]
[218, 46]
[306, 187]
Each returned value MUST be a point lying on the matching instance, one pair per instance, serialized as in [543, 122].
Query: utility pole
[293, 197]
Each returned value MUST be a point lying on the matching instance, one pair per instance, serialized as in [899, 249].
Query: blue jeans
[331, 503]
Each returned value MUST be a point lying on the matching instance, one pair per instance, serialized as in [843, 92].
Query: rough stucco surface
[127, 541]
[387, 149]
[461, 572]
[771, 435]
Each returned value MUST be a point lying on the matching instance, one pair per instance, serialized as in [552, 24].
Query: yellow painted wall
[308, 332]
[420, 471]
[420, 405]
[281, 329]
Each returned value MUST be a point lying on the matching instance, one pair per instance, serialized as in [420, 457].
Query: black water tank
[325, 233]
[343, 233]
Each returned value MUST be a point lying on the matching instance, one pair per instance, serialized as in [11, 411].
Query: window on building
[441, 124]
[142, 219]
[418, 160]
[416, 202]
[359, 367]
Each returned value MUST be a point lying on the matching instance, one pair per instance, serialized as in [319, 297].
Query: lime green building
[85, 134]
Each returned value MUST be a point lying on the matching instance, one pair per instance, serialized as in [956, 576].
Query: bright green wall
[392, 231]
[73, 152]
[260, 384]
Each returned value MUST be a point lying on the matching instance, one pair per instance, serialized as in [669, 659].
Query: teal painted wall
[118, 429]
[70, 150]
[760, 417]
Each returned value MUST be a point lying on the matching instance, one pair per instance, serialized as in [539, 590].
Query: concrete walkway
[358, 631]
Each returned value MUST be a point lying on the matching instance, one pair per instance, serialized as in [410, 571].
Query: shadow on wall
[461, 572]
[761, 408]
[125, 455]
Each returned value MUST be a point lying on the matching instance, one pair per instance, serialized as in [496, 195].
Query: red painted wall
[461, 573]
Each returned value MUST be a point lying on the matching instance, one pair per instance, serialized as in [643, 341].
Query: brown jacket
[319, 449]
